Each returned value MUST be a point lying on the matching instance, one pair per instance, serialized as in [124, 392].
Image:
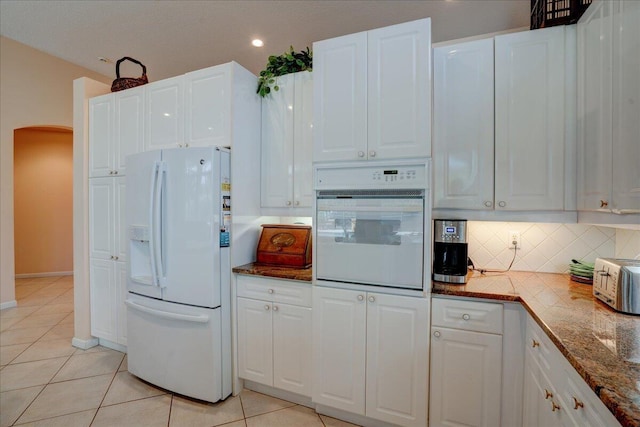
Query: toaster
[616, 282]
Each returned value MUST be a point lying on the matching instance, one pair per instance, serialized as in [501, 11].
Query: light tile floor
[44, 381]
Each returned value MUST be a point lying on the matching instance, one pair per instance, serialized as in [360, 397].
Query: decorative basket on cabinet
[547, 13]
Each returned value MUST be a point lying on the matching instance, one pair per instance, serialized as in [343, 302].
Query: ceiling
[174, 37]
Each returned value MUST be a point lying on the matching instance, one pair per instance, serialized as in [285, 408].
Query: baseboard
[49, 274]
[113, 345]
[8, 304]
[360, 420]
[280, 394]
[84, 344]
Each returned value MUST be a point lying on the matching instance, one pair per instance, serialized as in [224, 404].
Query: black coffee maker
[450, 250]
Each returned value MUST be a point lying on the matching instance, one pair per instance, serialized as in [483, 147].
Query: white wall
[37, 90]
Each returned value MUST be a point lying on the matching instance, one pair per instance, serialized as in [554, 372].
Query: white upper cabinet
[101, 146]
[287, 143]
[609, 107]
[530, 119]
[372, 94]
[463, 125]
[129, 125]
[164, 114]
[207, 106]
[504, 122]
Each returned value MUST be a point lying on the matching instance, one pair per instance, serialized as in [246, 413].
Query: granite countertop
[600, 343]
[290, 273]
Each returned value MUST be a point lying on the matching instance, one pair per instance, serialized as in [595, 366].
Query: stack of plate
[581, 271]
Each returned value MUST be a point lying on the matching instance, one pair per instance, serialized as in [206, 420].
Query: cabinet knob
[110, 172]
[180, 145]
[266, 307]
[488, 203]
[436, 334]
[360, 153]
[288, 202]
[547, 394]
[360, 297]
[186, 145]
[535, 343]
[275, 308]
[604, 203]
[115, 172]
[111, 256]
[297, 203]
[372, 153]
[466, 317]
[577, 404]
[502, 204]
[372, 299]
[115, 257]
[554, 407]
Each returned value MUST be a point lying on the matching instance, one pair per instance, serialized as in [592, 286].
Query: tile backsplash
[547, 247]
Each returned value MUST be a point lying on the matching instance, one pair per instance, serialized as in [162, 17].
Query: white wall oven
[371, 225]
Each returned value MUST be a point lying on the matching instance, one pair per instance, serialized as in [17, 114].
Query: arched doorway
[43, 201]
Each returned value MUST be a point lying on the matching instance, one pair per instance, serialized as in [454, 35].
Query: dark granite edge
[609, 398]
[264, 270]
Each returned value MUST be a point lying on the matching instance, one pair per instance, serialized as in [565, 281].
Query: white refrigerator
[178, 272]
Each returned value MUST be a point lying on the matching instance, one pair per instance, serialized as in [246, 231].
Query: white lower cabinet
[466, 363]
[108, 312]
[274, 338]
[554, 393]
[371, 354]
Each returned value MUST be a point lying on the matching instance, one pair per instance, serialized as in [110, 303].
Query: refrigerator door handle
[200, 318]
[156, 222]
[152, 237]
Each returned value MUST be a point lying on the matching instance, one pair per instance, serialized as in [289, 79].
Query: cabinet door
[399, 91]
[397, 359]
[119, 225]
[594, 106]
[340, 98]
[278, 144]
[208, 106]
[101, 146]
[463, 125]
[255, 352]
[120, 278]
[466, 372]
[292, 348]
[626, 107]
[165, 114]
[129, 125]
[303, 194]
[103, 295]
[101, 218]
[339, 340]
[530, 120]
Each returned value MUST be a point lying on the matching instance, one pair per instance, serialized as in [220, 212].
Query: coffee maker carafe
[450, 250]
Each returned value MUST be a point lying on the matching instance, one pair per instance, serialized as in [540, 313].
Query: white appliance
[178, 270]
[371, 226]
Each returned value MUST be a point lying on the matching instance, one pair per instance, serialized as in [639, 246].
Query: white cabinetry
[197, 109]
[115, 131]
[371, 354]
[609, 107]
[372, 94]
[528, 78]
[554, 393]
[107, 273]
[274, 333]
[287, 143]
[466, 363]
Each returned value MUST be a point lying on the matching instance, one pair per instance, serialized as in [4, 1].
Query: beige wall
[37, 90]
[43, 200]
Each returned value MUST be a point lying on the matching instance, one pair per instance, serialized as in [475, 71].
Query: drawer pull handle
[275, 308]
[547, 393]
[554, 407]
[466, 317]
[577, 403]
[372, 299]
[436, 334]
[360, 298]
[604, 203]
[266, 307]
[270, 291]
[535, 344]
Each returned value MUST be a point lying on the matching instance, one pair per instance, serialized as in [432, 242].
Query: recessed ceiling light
[257, 42]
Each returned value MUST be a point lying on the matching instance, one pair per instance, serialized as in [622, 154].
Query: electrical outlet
[514, 240]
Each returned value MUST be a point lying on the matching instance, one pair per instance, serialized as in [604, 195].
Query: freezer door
[178, 347]
[143, 171]
[191, 205]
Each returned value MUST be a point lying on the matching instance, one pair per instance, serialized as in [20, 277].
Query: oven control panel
[337, 177]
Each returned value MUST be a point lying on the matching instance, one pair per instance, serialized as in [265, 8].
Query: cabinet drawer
[283, 291]
[544, 352]
[468, 315]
